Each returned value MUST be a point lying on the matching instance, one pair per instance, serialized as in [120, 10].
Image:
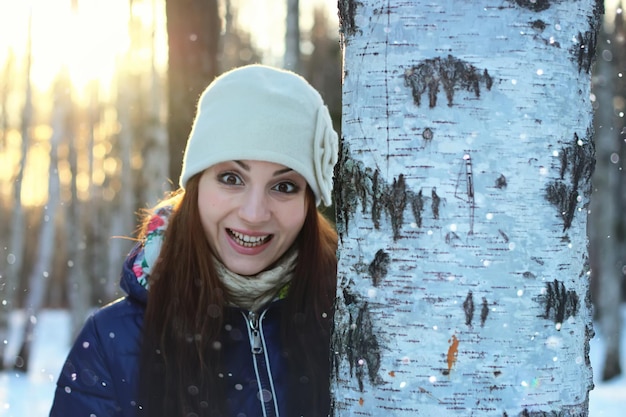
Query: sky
[89, 39]
[86, 42]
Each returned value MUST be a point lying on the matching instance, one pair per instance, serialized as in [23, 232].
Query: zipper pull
[255, 339]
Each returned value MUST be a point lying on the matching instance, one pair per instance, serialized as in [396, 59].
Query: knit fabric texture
[262, 113]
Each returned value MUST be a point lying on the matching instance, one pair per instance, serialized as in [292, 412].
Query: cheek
[206, 208]
[296, 219]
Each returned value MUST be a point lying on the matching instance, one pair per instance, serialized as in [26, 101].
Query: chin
[245, 271]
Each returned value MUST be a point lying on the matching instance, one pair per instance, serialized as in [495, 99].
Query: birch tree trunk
[98, 215]
[123, 210]
[6, 293]
[156, 160]
[39, 278]
[15, 255]
[78, 285]
[462, 193]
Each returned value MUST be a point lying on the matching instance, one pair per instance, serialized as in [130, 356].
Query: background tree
[15, 258]
[462, 191]
[236, 47]
[322, 68]
[78, 287]
[292, 59]
[7, 287]
[40, 274]
[607, 235]
[148, 128]
[193, 28]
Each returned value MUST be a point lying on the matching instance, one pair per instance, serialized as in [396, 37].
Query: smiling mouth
[248, 241]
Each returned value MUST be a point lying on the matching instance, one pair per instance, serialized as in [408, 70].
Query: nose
[254, 206]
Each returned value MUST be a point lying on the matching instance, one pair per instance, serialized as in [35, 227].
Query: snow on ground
[607, 399]
[31, 394]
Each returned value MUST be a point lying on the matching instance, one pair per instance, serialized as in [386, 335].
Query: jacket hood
[138, 265]
[129, 281]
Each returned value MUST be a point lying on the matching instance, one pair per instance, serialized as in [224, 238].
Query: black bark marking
[538, 260]
[488, 79]
[417, 206]
[357, 343]
[501, 182]
[450, 73]
[348, 297]
[599, 8]
[351, 188]
[589, 334]
[584, 53]
[436, 201]
[469, 189]
[468, 307]
[538, 25]
[451, 237]
[558, 302]
[396, 204]
[378, 268]
[585, 50]
[363, 349]
[534, 5]
[377, 197]
[428, 134]
[346, 13]
[564, 411]
[356, 184]
[484, 312]
[577, 161]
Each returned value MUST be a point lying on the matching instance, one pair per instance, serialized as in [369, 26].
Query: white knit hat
[262, 113]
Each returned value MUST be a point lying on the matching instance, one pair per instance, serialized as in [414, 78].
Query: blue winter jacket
[100, 375]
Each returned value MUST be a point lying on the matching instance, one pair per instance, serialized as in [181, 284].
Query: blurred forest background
[96, 102]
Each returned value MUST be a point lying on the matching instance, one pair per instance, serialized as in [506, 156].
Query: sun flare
[87, 38]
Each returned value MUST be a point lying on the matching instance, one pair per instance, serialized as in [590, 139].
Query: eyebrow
[276, 173]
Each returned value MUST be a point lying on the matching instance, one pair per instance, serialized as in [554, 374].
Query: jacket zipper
[261, 364]
[255, 333]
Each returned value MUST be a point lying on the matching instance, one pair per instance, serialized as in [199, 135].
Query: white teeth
[248, 241]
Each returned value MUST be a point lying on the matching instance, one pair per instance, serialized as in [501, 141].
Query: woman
[230, 293]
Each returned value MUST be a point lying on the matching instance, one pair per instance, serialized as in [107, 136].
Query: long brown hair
[180, 355]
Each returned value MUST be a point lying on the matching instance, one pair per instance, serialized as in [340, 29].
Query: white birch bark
[462, 193]
[123, 207]
[156, 158]
[16, 249]
[76, 228]
[39, 278]
[97, 216]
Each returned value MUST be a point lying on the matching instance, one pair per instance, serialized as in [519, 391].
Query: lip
[246, 242]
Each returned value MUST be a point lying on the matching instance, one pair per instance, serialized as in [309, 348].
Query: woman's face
[251, 212]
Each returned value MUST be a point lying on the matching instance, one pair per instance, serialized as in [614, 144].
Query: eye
[286, 187]
[229, 178]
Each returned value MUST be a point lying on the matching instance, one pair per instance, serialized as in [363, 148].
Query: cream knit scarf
[247, 292]
[253, 292]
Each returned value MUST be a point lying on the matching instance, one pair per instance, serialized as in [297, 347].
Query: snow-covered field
[31, 394]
